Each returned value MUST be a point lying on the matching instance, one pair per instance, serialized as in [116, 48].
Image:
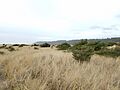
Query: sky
[28, 21]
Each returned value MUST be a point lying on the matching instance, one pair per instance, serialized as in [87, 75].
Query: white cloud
[24, 13]
[59, 18]
[85, 10]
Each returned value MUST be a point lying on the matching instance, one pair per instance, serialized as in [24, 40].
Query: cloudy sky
[28, 21]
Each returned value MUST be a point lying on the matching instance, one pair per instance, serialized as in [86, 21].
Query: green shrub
[78, 46]
[110, 52]
[35, 45]
[92, 43]
[82, 51]
[83, 42]
[15, 45]
[97, 45]
[64, 46]
[10, 48]
[22, 45]
[84, 54]
[36, 48]
[45, 45]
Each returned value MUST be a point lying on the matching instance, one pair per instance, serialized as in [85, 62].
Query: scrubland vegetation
[39, 68]
[83, 50]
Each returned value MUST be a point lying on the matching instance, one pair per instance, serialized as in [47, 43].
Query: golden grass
[49, 69]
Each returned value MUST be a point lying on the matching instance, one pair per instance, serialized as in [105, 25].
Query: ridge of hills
[114, 39]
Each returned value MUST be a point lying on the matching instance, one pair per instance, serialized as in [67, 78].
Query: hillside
[115, 39]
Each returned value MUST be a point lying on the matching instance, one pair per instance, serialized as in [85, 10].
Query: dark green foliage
[83, 54]
[22, 45]
[45, 45]
[15, 45]
[84, 50]
[10, 48]
[64, 46]
[83, 42]
[110, 52]
[79, 45]
[99, 46]
[35, 45]
[36, 48]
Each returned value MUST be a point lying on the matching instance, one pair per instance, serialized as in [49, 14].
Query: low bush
[83, 50]
[10, 48]
[45, 45]
[15, 45]
[109, 52]
[77, 46]
[35, 45]
[36, 48]
[64, 46]
[83, 54]
[22, 45]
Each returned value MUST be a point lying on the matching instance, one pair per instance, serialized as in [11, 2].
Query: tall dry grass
[49, 69]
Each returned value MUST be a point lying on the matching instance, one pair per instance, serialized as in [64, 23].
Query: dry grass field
[50, 69]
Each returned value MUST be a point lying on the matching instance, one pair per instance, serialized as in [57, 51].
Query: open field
[50, 69]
